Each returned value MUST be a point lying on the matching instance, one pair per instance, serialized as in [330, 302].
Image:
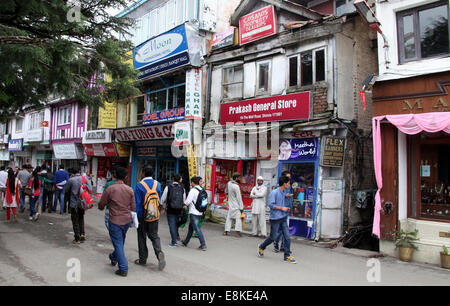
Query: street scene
[260, 143]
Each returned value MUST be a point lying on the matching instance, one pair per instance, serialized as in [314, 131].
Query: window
[171, 14]
[263, 79]
[307, 68]
[232, 80]
[64, 115]
[162, 19]
[423, 32]
[344, 7]
[166, 93]
[180, 11]
[19, 125]
[35, 120]
[81, 113]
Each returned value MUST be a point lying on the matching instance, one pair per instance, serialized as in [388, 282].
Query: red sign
[278, 108]
[362, 93]
[257, 25]
[100, 149]
[44, 123]
[145, 133]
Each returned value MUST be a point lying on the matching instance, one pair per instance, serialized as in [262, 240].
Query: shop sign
[300, 134]
[333, 151]
[278, 108]
[223, 39]
[123, 150]
[298, 149]
[208, 15]
[257, 25]
[182, 133]
[34, 135]
[44, 123]
[163, 53]
[15, 145]
[67, 151]
[100, 149]
[107, 116]
[145, 133]
[4, 138]
[193, 100]
[97, 136]
[164, 116]
[146, 151]
[4, 155]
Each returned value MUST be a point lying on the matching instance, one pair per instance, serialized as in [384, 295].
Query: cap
[260, 178]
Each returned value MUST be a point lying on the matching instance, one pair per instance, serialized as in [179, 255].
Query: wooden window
[64, 115]
[232, 82]
[263, 77]
[307, 68]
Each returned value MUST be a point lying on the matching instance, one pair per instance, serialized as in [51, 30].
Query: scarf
[9, 198]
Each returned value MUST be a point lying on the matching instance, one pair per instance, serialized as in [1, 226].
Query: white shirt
[190, 201]
[3, 178]
[166, 193]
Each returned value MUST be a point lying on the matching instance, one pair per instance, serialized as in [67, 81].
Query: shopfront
[70, 154]
[20, 155]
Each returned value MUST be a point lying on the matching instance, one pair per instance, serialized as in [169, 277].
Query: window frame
[299, 67]
[21, 128]
[232, 83]
[400, 32]
[260, 92]
[40, 116]
[60, 111]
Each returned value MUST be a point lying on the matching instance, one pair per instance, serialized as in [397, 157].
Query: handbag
[28, 191]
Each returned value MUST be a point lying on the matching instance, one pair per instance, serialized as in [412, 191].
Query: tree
[56, 48]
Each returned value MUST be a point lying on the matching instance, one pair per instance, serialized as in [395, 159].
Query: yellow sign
[192, 161]
[107, 116]
[123, 150]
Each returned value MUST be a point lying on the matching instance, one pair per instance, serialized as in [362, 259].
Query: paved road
[37, 253]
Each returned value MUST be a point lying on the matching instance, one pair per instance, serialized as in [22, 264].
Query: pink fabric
[410, 124]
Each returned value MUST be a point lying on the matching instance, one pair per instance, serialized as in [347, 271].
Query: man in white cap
[258, 195]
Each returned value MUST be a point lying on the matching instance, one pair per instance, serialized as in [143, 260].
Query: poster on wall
[193, 103]
[298, 149]
[333, 151]
[182, 133]
[101, 183]
[208, 176]
[107, 116]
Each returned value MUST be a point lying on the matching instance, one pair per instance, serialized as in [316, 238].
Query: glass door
[141, 164]
[166, 168]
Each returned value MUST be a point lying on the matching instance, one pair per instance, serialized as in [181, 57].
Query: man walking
[235, 205]
[24, 176]
[119, 198]
[288, 195]
[279, 212]
[147, 229]
[59, 181]
[47, 197]
[194, 214]
[172, 200]
[3, 178]
[76, 212]
[258, 194]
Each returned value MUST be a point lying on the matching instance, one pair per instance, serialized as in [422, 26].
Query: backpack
[85, 195]
[202, 200]
[175, 196]
[151, 203]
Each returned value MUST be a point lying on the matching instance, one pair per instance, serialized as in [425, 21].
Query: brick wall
[320, 103]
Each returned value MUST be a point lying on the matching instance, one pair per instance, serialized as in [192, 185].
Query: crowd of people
[141, 208]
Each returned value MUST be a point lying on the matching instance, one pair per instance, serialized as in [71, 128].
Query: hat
[260, 178]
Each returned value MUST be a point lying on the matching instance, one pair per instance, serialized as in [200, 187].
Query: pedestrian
[279, 212]
[194, 214]
[235, 205]
[24, 176]
[76, 212]
[258, 194]
[16, 171]
[67, 194]
[35, 186]
[3, 179]
[147, 229]
[11, 200]
[119, 198]
[172, 201]
[108, 184]
[60, 179]
[47, 197]
[288, 195]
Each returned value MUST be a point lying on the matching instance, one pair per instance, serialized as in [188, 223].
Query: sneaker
[173, 245]
[76, 241]
[121, 273]
[202, 248]
[260, 252]
[36, 217]
[82, 238]
[276, 249]
[30, 218]
[290, 259]
[113, 262]
[161, 261]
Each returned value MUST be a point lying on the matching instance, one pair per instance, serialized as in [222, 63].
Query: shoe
[183, 244]
[82, 238]
[290, 259]
[121, 273]
[161, 261]
[173, 245]
[76, 241]
[30, 218]
[113, 263]
[276, 249]
[202, 248]
[225, 233]
[238, 234]
[21, 210]
[36, 217]
[260, 252]
[139, 263]
[8, 220]
[281, 249]
[16, 219]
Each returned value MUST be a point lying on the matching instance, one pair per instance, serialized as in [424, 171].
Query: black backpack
[202, 200]
[175, 196]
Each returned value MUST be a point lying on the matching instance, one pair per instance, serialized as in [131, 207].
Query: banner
[192, 161]
[193, 94]
[299, 149]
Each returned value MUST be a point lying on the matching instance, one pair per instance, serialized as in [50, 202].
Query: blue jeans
[173, 228]
[59, 195]
[33, 201]
[193, 226]
[107, 218]
[274, 226]
[22, 198]
[280, 233]
[118, 233]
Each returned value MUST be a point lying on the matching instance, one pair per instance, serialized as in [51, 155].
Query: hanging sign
[259, 24]
[299, 149]
[15, 145]
[182, 133]
[333, 151]
[193, 100]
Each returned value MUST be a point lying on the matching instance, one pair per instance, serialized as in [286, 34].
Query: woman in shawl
[11, 201]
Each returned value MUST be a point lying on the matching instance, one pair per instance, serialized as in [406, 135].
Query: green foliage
[445, 250]
[44, 53]
[406, 239]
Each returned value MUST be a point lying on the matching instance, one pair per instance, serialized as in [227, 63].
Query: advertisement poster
[298, 149]
[223, 39]
[208, 173]
[333, 151]
[257, 25]
[107, 116]
[101, 183]
[164, 116]
[182, 133]
[193, 94]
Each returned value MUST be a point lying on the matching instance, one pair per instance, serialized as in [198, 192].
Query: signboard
[107, 116]
[193, 100]
[278, 108]
[333, 151]
[299, 149]
[208, 15]
[100, 149]
[146, 151]
[15, 145]
[123, 150]
[162, 53]
[34, 135]
[4, 155]
[67, 151]
[97, 136]
[164, 116]
[44, 123]
[192, 161]
[223, 39]
[182, 133]
[259, 24]
[145, 133]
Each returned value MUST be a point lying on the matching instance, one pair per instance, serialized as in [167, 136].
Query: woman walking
[35, 185]
[11, 201]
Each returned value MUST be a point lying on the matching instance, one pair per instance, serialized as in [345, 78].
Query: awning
[410, 124]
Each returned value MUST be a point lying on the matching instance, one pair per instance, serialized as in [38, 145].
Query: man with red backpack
[80, 200]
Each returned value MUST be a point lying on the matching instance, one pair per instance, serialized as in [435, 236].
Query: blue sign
[165, 52]
[303, 149]
[170, 115]
[15, 145]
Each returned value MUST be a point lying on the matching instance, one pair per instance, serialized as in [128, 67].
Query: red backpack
[85, 195]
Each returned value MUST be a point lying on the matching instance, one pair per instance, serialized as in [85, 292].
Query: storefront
[71, 155]
[411, 128]
[20, 155]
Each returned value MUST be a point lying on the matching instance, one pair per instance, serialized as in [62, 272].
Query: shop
[20, 155]
[71, 155]
[411, 128]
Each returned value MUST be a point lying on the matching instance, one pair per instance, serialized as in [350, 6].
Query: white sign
[158, 48]
[426, 170]
[4, 155]
[34, 135]
[67, 151]
[193, 108]
[97, 136]
[208, 15]
[182, 133]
